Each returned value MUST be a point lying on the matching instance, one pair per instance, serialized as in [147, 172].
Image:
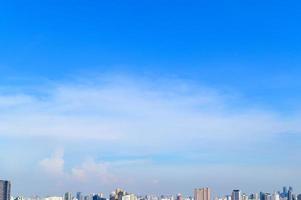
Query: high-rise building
[19, 198]
[129, 197]
[261, 196]
[290, 194]
[236, 195]
[284, 192]
[5, 190]
[68, 196]
[79, 196]
[179, 197]
[88, 197]
[53, 198]
[166, 197]
[254, 196]
[267, 196]
[276, 196]
[98, 196]
[244, 197]
[117, 194]
[202, 194]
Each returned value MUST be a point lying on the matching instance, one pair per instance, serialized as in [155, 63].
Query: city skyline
[153, 96]
[287, 193]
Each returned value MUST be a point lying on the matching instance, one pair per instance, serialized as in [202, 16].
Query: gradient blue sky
[153, 96]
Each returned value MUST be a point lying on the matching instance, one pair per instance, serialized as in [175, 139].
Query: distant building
[299, 197]
[166, 197]
[79, 196]
[98, 197]
[88, 197]
[261, 196]
[267, 196]
[68, 196]
[228, 197]
[244, 197]
[284, 192]
[53, 198]
[5, 188]
[254, 196]
[151, 197]
[19, 198]
[117, 194]
[236, 195]
[290, 194]
[129, 197]
[202, 194]
[221, 198]
[276, 196]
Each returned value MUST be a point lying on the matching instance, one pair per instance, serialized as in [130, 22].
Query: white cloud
[141, 119]
[89, 172]
[54, 166]
[125, 110]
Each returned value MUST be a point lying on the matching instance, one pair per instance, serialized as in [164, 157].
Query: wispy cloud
[123, 109]
[146, 119]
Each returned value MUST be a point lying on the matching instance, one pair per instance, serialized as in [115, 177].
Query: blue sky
[153, 96]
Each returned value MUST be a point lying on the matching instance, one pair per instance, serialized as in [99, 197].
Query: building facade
[202, 194]
[236, 195]
[5, 188]
[68, 196]
[129, 197]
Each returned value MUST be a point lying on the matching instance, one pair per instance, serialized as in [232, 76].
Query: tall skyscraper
[68, 196]
[261, 196]
[244, 197]
[88, 197]
[255, 196]
[284, 192]
[129, 197]
[276, 196]
[236, 195]
[179, 197]
[202, 194]
[79, 196]
[267, 196]
[98, 196]
[290, 194]
[5, 190]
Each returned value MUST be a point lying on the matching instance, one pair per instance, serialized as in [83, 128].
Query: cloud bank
[125, 125]
[123, 109]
